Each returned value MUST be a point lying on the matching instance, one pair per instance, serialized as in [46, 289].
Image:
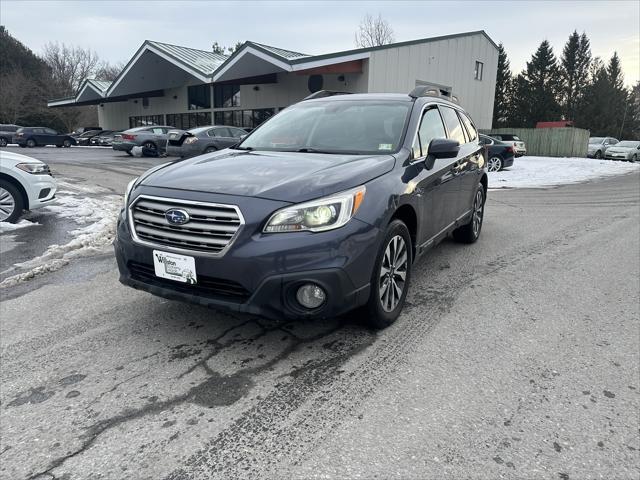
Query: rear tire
[470, 232]
[494, 164]
[634, 158]
[31, 143]
[66, 143]
[3, 142]
[598, 154]
[388, 287]
[11, 203]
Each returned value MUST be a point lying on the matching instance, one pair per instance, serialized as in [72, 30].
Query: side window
[50, 132]
[237, 133]
[221, 132]
[431, 127]
[454, 127]
[158, 131]
[471, 129]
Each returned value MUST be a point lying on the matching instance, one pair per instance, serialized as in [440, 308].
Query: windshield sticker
[385, 146]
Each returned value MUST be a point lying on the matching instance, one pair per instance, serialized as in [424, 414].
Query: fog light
[311, 295]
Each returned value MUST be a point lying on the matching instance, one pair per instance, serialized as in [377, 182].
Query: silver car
[152, 138]
[628, 150]
[598, 145]
[203, 140]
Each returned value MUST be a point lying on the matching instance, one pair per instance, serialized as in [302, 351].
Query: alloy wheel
[393, 273]
[3, 142]
[7, 204]
[494, 164]
[478, 211]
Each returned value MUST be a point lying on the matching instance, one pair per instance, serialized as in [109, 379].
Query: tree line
[28, 81]
[576, 87]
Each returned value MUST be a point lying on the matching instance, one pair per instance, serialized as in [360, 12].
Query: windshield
[356, 127]
[627, 144]
[198, 130]
[594, 140]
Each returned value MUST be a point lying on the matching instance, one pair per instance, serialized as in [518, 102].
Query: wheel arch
[19, 187]
[484, 180]
[407, 214]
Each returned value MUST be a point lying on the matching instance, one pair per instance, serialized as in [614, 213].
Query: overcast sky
[116, 29]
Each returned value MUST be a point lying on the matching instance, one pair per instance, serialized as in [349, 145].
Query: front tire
[66, 143]
[634, 158]
[391, 277]
[494, 164]
[11, 203]
[470, 232]
[598, 154]
[31, 143]
[3, 142]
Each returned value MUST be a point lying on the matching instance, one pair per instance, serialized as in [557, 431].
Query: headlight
[128, 191]
[318, 215]
[35, 168]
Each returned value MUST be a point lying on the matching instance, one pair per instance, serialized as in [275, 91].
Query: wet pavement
[516, 357]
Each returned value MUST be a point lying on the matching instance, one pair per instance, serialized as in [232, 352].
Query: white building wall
[449, 62]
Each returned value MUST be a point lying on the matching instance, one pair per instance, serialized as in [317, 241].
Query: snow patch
[97, 220]
[9, 227]
[545, 172]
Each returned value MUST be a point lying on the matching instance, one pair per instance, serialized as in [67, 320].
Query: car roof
[401, 97]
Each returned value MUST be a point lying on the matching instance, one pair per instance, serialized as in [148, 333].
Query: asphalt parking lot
[516, 357]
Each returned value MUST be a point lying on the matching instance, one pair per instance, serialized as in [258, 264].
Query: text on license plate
[175, 267]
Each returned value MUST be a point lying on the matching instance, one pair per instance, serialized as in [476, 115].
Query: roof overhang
[152, 69]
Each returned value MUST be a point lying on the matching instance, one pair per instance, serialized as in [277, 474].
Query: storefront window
[226, 96]
[243, 118]
[144, 120]
[185, 121]
[199, 97]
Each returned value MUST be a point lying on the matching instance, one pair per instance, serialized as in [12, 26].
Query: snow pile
[541, 172]
[9, 227]
[97, 217]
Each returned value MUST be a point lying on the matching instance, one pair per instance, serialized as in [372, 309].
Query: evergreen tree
[503, 89]
[575, 62]
[538, 89]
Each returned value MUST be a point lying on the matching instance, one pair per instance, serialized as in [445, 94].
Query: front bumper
[617, 156]
[260, 274]
[42, 191]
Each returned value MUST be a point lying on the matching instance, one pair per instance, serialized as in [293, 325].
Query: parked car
[598, 146]
[25, 184]
[203, 140]
[84, 138]
[322, 209]
[81, 130]
[150, 137]
[625, 150]
[7, 131]
[499, 154]
[39, 136]
[519, 147]
[104, 139]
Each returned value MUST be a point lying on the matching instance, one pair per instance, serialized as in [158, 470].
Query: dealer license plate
[175, 267]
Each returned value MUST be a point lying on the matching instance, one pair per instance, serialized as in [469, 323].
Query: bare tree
[107, 71]
[374, 32]
[21, 95]
[69, 66]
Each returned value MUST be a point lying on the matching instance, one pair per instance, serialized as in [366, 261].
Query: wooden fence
[551, 142]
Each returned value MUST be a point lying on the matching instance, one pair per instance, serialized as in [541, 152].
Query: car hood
[284, 176]
[11, 159]
[620, 149]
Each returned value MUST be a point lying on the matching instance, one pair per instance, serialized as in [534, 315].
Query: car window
[431, 127]
[221, 132]
[237, 132]
[158, 131]
[454, 127]
[334, 126]
[38, 130]
[485, 140]
[471, 130]
[50, 132]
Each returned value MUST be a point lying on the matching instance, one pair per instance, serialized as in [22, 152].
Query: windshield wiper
[242, 148]
[313, 150]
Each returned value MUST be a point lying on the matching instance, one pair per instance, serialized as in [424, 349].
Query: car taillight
[510, 149]
[126, 136]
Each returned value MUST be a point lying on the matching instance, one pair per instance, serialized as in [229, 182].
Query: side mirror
[441, 148]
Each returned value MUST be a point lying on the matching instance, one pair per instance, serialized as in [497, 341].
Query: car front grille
[208, 287]
[210, 230]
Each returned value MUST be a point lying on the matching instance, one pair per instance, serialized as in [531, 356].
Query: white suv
[25, 184]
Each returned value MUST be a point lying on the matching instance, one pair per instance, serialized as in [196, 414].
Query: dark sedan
[104, 139]
[38, 136]
[203, 140]
[499, 154]
[85, 138]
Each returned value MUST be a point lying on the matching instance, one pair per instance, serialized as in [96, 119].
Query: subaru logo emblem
[176, 216]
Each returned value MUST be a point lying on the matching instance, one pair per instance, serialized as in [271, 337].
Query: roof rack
[325, 93]
[433, 91]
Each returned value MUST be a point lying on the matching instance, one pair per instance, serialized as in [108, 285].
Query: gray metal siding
[448, 62]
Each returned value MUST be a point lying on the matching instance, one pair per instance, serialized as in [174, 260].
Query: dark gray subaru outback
[322, 209]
